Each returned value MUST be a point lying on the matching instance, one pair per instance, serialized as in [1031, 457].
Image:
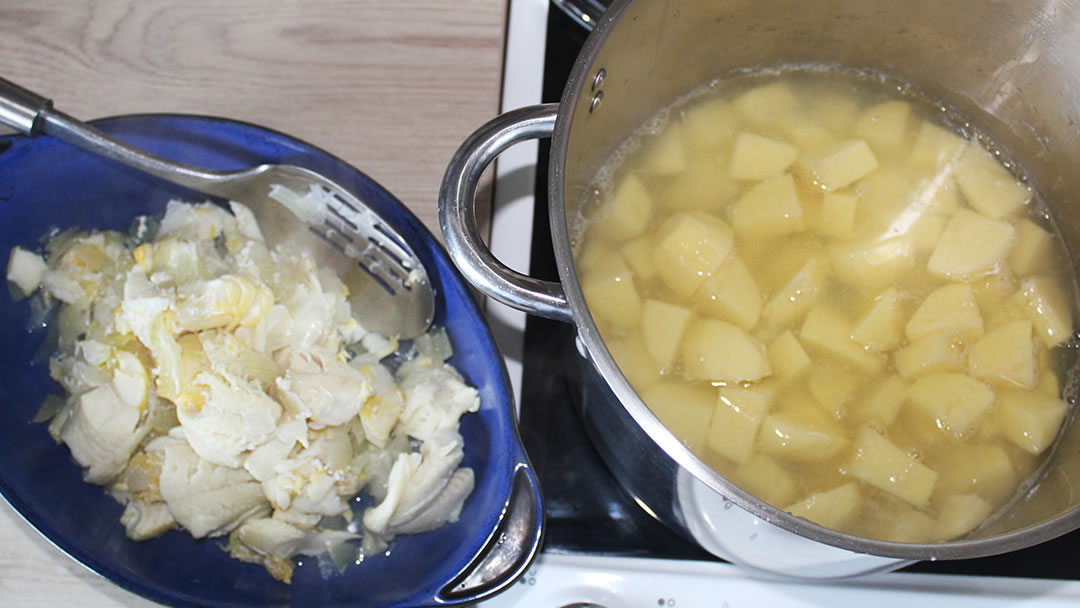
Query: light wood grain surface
[391, 86]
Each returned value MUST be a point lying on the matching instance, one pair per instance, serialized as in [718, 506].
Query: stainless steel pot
[1012, 67]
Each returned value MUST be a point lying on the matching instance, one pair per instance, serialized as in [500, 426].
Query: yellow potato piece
[685, 409]
[977, 468]
[662, 326]
[689, 247]
[831, 508]
[633, 358]
[882, 327]
[828, 331]
[1006, 354]
[704, 186]
[970, 245]
[838, 165]
[793, 300]
[987, 185]
[1034, 249]
[936, 148]
[884, 126]
[735, 421]
[709, 126]
[805, 132]
[948, 309]
[871, 264]
[833, 385]
[768, 208]
[787, 358]
[800, 432]
[628, 211]
[955, 402]
[959, 514]
[763, 477]
[665, 153]
[883, 401]
[639, 256]
[757, 157]
[931, 353]
[610, 292]
[721, 352]
[1044, 301]
[837, 216]
[1030, 419]
[880, 463]
[731, 294]
[765, 105]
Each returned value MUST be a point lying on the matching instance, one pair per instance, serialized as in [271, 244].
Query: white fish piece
[435, 399]
[205, 498]
[102, 433]
[331, 390]
[143, 521]
[236, 416]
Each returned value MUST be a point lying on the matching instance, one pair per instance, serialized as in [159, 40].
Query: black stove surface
[587, 511]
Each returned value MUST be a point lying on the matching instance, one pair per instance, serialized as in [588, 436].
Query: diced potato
[628, 212]
[731, 294]
[987, 185]
[735, 421]
[931, 353]
[882, 403]
[955, 402]
[594, 254]
[768, 208]
[1030, 419]
[801, 432]
[662, 326]
[955, 255]
[665, 153]
[787, 358]
[1033, 251]
[639, 256]
[926, 232]
[908, 525]
[827, 330]
[993, 293]
[1048, 384]
[887, 200]
[764, 478]
[633, 358]
[776, 260]
[840, 164]
[884, 126]
[766, 105]
[831, 508]
[882, 327]
[948, 309]
[959, 514]
[871, 264]
[882, 464]
[983, 469]
[1044, 302]
[793, 300]
[721, 352]
[704, 186]
[833, 385]
[835, 111]
[610, 292]
[757, 157]
[689, 247]
[685, 409]
[805, 132]
[837, 216]
[709, 126]
[1006, 354]
[936, 148]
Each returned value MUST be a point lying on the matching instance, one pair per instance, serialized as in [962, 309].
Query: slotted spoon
[388, 286]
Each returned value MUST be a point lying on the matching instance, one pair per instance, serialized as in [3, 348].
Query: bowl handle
[509, 550]
[457, 214]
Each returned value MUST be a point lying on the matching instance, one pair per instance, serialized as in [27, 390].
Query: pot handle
[457, 214]
[510, 549]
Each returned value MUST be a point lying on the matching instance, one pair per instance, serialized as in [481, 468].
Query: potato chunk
[689, 247]
[627, 213]
[987, 185]
[633, 358]
[931, 353]
[837, 216]
[735, 421]
[970, 245]
[977, 468]
[794, 299]
[721, 352]
[1044, 302]
[880, 463]
[882, 327]
[662, 326]
[1030, 419]
[704, 186]
[1034, 249]
[757, 157]
[883, 401]
[936, 148]
[685, 409]
[708, 126]
[885, 125]
[610, 292]
[766, 105]
[731, 294]
[959, 514]
[1006, 354]
[873, 263]
[800, 432]
[947, 309]
[763, 477]
[830, 508]
[838, 165]
[787, 358]
[955, 402]
[665, 153]
[768, 208]
[638, 254]
[827, 330]
[833, 385]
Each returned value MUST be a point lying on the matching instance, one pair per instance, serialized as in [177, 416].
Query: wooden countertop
[393, 87]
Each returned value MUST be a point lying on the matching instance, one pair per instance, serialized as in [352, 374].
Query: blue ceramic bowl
[45, 183]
